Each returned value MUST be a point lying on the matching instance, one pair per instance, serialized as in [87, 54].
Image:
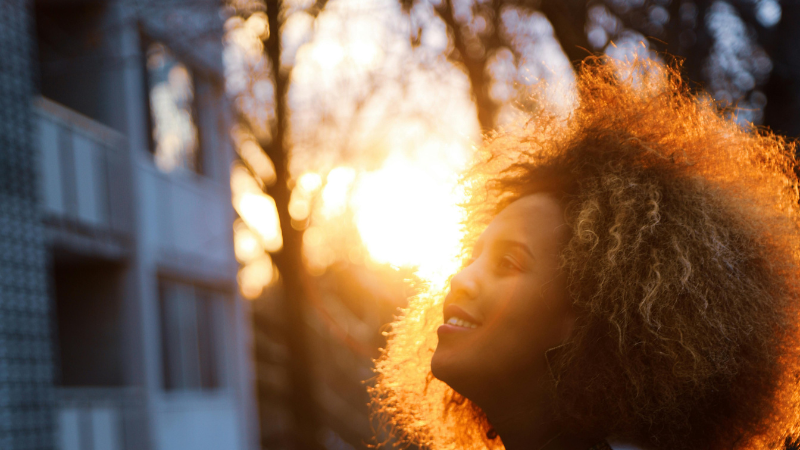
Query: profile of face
[508, 306]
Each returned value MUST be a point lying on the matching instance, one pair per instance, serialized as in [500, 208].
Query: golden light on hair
[683, 268]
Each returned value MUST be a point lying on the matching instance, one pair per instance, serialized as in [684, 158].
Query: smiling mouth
[459, 322]
[456, 319]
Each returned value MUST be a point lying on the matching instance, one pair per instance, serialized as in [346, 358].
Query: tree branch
[475, 68]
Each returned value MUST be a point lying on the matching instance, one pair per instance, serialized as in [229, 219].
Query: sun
[408, 216]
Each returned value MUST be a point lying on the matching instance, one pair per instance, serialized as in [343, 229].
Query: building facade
[121, 326]
[26, 357]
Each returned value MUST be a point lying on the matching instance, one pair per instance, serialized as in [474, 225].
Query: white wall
[191, 422]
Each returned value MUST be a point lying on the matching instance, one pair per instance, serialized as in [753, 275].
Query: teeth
[461, 323]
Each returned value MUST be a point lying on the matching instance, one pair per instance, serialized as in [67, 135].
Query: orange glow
[301, 201]
[389, 198]
[336, 191]
[254, 276]
[318, 256]
[406, 216]
[242, 182]
[248, 35]
[299, 208]
[261, 215]
[246, 244]
[254, 156]
[327, 54]
[364, 53]
[257, 25]
[309, 182]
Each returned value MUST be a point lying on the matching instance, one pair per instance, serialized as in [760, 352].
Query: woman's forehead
[533, 217]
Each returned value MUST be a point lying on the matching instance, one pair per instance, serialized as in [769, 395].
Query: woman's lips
[452, 329]
[457, 321]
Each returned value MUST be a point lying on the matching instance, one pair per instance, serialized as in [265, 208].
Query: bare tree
[756, 65]
[477, 32]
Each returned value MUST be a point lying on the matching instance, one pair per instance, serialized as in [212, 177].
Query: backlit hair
[682, 267]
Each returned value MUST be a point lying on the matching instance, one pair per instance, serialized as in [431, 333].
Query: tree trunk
[568, 18]
[474, 66]
[289, 259]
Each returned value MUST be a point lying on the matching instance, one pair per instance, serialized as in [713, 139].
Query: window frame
[174, 341]
[146, 40]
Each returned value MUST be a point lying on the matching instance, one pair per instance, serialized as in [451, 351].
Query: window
[192, 336]
[74, 57]
[89, 297]
[171, 94]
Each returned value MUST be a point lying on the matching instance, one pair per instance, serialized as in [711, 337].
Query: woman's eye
[507, 263]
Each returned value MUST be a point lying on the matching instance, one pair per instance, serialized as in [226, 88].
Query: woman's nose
[466, 283]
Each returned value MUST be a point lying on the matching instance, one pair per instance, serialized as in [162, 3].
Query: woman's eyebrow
[510, 243]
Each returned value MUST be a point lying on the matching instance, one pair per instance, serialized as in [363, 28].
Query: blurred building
[120, 323]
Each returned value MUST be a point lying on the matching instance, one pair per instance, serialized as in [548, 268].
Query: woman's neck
[527, 432]
[528, 424]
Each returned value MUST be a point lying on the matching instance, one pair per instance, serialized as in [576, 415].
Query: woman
[630, 280]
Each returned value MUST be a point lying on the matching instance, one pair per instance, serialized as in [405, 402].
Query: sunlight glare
[242, 181]
[254, 156]
[309, 182]
[407, 217]
[260, 214]
[364, 53]
[254, 276]
[299, 207]
[336, 190]
[327, 54]
[317, 255]
[246, 244]
[257, 25]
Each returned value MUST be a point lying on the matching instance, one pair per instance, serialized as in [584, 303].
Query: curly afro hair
[682, 267]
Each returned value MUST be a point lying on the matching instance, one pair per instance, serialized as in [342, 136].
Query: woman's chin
[441, 365]
[447, 367]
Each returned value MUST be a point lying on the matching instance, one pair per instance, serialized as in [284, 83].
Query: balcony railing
[101, 419]
[85, 169]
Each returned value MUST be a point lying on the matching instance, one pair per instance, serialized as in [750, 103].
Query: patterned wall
[26, 360]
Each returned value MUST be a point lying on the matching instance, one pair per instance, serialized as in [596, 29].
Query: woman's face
[509, 306]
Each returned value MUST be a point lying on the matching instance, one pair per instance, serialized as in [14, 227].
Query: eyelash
[507, 263]
[504, 262]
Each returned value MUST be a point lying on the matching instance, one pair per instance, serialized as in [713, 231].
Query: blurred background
[209, 211]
